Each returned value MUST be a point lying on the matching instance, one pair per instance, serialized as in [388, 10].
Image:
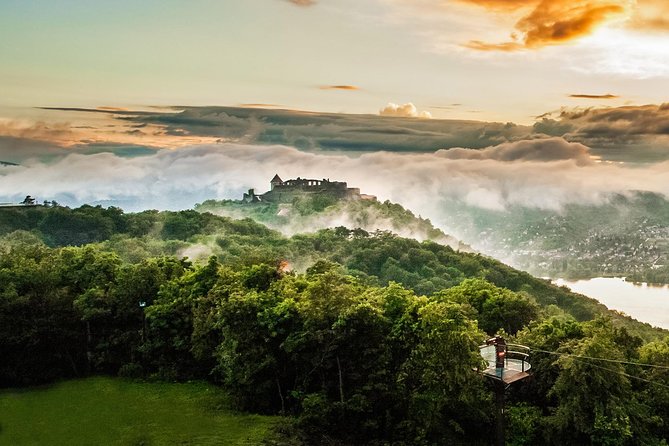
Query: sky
[492, 103]
[493, 60]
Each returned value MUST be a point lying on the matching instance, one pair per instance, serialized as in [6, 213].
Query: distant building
[27, 202]
[286, 191]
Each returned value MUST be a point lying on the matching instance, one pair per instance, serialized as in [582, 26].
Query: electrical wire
[625, 374]
[602, 359]
[581, 359]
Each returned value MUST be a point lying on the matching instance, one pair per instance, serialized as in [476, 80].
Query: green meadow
[112, 411]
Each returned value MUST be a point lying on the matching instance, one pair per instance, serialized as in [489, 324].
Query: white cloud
[177, 179]
[407, 110]
[548, 149]
[622, 52]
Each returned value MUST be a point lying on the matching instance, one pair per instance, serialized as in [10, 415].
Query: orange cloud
[339, 87]
[651, 15]
[484, 46]
[110, 130]
[550, 22]
[40, 130]
[505, 5]
[594, 96]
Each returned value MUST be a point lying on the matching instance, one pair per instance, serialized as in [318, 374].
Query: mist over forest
[334, 222]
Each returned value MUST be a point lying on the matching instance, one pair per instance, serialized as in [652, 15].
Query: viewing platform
[513, 357]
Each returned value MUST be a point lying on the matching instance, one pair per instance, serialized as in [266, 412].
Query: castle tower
[276, 181]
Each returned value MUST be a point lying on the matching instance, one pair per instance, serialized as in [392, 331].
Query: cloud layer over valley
[430, 166]
[542, 173]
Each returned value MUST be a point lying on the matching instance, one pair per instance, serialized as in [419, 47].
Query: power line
[580, 358]
[625, 374]
[602, 359]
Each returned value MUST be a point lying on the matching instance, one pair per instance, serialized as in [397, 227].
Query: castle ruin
[286, 191]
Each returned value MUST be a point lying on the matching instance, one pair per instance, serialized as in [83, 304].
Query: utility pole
[500, 389]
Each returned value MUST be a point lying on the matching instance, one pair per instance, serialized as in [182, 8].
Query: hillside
[309, 214]
[361, 338]
[624, 236]
[377, 257]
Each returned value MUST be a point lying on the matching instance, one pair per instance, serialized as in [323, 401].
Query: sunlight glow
[624, 52]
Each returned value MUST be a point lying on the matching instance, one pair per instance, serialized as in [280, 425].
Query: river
[647, 303]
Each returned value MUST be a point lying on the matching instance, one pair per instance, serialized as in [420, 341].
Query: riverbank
[642, 301]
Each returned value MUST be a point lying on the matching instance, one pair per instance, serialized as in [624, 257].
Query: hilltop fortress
[286, 191]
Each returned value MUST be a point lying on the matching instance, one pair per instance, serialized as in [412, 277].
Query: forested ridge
[360, 337]
[311, 213]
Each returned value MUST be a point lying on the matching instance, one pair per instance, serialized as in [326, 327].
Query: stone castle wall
[287, 191]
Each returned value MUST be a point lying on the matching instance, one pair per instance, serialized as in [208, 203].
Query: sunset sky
[493, 103]
[499, 60]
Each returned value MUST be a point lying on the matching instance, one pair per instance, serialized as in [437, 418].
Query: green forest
[357, 337]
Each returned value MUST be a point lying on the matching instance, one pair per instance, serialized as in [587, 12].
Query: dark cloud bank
[332, 131]
[628, 133]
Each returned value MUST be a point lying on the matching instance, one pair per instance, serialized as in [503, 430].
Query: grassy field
[112, 411]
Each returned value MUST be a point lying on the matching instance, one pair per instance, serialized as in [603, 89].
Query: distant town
[547, 250]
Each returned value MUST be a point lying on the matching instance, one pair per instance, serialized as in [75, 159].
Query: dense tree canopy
[375, 342]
